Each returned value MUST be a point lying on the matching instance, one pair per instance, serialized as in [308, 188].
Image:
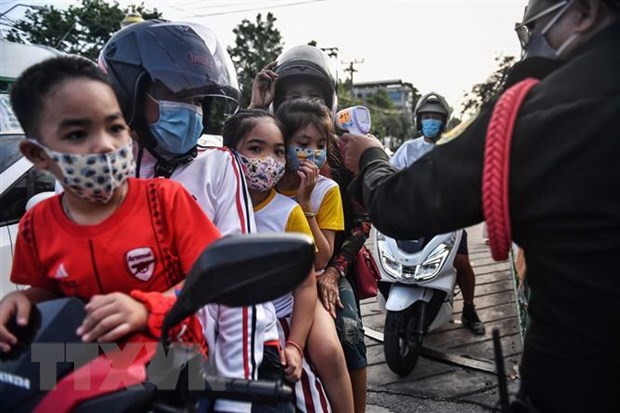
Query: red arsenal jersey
[149, 243]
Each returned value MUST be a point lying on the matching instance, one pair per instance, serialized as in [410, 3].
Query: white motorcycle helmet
[307, 63]
[434, 103]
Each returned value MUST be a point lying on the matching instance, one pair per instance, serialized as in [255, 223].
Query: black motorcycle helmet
[185, 58]
[307, 63]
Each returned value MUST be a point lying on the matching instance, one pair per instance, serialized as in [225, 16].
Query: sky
[437, 45]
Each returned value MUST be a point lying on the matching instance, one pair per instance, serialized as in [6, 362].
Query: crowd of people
[140, 200]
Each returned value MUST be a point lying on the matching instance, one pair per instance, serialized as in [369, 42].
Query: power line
[253, 9]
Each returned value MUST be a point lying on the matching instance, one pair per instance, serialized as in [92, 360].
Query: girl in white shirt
[258, 140]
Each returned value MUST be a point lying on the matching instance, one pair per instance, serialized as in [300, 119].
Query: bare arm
[302, 318]
[18, 304]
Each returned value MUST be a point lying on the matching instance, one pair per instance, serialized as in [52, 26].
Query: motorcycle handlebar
[259, 391]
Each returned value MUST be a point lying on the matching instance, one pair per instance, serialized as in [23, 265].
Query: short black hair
[238, 125]
[34, 85]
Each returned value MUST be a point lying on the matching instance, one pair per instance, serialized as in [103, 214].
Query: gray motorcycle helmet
[435, 103]
[308, 63]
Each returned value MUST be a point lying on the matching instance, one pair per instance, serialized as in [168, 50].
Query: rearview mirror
[242, 270]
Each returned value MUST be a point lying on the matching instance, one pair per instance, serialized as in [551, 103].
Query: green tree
[257, 43]
[81, 30]
[483, 92]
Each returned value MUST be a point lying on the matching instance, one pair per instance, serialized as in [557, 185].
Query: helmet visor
[216, 109]
[202, 68]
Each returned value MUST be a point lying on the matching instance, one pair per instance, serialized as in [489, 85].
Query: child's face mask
[295, 154]
[95, 176]
[261, 174]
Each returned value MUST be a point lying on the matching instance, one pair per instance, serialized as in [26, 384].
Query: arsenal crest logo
[141, 263]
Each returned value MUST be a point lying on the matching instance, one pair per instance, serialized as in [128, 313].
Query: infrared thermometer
[355, 119]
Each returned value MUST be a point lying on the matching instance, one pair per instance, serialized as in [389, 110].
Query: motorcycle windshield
[412, 246]
[23, 380]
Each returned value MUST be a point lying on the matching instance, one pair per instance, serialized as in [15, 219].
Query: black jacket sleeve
[438, 193]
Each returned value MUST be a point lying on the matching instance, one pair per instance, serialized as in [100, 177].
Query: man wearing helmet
[174, 82]
[432, 113]
[306, 71]
[564, 202]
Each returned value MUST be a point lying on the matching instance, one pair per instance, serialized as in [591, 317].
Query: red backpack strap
[495, 180]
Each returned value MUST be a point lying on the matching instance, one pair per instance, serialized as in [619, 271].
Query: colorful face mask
[261, 174]
[431, 128]
[178, 128]
[295, 154]
[94, 177]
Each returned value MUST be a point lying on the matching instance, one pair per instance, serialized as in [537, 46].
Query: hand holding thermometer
[355, 119]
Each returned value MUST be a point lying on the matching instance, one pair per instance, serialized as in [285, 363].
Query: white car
[19, 182]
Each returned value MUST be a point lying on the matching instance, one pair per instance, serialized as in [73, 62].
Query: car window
[13, 201]
[9, 150]
[8, 120]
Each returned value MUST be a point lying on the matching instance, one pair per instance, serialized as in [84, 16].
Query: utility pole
[352, 70]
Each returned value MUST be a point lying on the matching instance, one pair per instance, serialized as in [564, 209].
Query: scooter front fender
[402, 296]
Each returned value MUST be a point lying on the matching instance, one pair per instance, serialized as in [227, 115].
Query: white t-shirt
[235, 336]
[279, 214]
[411, 151]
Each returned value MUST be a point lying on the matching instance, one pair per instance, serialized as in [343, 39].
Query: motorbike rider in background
[175, 82]
[432, 114]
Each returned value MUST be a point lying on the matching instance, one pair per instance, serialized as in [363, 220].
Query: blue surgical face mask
[295, 154]
[178, 129]
[431, 128]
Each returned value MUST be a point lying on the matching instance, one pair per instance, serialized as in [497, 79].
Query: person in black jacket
[564, 201]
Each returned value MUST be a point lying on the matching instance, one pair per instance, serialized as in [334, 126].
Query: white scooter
[416, 288]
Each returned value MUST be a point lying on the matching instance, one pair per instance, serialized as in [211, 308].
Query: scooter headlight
[426, 271]
[433, 264]
[388, 263]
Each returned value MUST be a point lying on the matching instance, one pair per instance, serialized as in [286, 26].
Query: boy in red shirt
[114, 241]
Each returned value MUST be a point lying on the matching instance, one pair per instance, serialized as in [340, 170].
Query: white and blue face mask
[178, 128]
[431, 128]
[295, 154]
[93, 177]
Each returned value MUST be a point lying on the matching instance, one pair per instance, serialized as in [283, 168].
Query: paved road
[438, 386]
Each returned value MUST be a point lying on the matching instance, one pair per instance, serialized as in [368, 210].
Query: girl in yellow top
[310, 134]
[258, 140]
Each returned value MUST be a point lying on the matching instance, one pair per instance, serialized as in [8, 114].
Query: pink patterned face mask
[261, 174]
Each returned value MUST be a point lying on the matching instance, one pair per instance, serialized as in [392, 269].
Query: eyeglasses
[524, 29]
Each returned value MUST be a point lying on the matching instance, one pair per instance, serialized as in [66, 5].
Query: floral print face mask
[261, 174]
[95, 176]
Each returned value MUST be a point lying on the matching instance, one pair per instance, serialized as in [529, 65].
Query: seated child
[258, 139]
[114, 241]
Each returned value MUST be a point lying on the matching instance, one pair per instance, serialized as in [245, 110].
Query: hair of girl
[301, 112]
[237, 126]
